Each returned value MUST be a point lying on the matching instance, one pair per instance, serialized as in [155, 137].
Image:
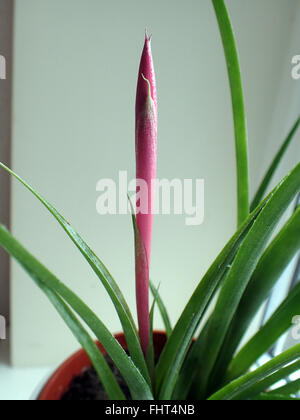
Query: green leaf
[271, 266]
[252, 384]
[189, 371]
[240, 126]
[139, 388]
[277, 325]
[274, 397]
[107, 280]
[269, 175]
[187, 374]
[179, 343]
[150, 357]
[270, 380]
[239, 276]
[104, 372]
[292, 388]
[162, 309]
[101, 366]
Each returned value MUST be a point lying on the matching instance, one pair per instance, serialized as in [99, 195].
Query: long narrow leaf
[141, 278]
[240, 274]
[267, 375]
[269, 175]
[103, 274]
[150, 357]
[270, 380]
[188, 373]
[277, 325]
[274, 397]
[240, 126]
[139, 388]
[105, 374]
[179, 343]
[292, 388]
[274, 261]
[162, 309]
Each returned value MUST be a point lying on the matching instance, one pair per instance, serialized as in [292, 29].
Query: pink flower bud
[146, 156]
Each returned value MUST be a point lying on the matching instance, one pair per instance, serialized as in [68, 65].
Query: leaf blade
[135, 381]
[274, 397]
[240, 273]
[107, 378]
[263, 340]
[103, 274]
[162, 309]
[178, 345]
[291, 388]
[238, 106]
[150, 357]
[275, 163]
[265, 376]
[272, 264]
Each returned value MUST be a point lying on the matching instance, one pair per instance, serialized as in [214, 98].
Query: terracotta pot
[60, 381]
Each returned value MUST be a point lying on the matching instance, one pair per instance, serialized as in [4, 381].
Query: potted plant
[179, 363]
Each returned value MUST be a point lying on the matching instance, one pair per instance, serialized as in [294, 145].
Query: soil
[87, 386]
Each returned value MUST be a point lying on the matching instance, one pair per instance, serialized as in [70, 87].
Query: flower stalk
[146, 158]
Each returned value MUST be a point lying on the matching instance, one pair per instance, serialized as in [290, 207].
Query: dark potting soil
[87, 386]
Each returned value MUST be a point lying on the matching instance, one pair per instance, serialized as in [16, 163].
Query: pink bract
[146, 158]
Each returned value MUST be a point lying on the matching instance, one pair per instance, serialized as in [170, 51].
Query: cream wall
[6, 13]
[75, 74]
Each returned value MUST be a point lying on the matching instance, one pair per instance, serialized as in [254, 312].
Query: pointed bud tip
[147, 37]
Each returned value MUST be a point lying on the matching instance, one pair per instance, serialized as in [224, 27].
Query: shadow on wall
[6, 22]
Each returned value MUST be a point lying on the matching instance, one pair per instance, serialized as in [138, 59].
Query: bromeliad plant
[242, 277]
